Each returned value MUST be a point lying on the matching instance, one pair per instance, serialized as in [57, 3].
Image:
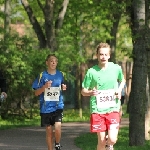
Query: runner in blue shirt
[48, 86]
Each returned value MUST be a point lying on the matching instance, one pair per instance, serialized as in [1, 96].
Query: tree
[47, 37]
[7, 20]
[117, 8]
[139, 75]
[147, 39]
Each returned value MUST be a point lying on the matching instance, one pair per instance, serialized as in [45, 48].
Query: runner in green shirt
[101, 83]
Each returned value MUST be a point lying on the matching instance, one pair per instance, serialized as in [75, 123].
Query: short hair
[102, 45]
[49, 55]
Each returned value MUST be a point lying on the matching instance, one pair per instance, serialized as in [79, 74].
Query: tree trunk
[7, 21]
[79, 91]
[147, 114]
[35, 24]
[139, 75]
[113, 34]
[147, 39]
[51, 26]
[7, 11]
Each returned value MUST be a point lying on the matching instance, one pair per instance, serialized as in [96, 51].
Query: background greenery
[85, 24]
[69, 115]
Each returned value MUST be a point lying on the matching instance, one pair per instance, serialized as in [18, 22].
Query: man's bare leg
[112, 138]
[57, 132]
[49, 137]
[101, 140]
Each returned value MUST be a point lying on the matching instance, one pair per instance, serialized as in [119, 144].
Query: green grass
[124, 108]
[88, 141]
[15, 123]
[70, 115]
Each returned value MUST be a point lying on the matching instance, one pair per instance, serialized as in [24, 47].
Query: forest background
[31, 29]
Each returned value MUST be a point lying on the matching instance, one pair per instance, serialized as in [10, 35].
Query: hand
[5, 95]
[48, 84]
[64, 87]
[94, 92]
[117, 95]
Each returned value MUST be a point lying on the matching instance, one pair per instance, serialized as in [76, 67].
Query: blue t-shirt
[57, 79]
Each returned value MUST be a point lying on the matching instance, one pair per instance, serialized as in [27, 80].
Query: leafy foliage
[85, 24]
[23, 64]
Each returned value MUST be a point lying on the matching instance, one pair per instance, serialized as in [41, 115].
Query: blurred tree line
[72, 30]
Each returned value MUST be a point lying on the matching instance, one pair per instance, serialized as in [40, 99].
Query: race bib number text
[52, 94]
[105, 98]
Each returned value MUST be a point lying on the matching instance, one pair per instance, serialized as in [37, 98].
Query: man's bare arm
[88, 92]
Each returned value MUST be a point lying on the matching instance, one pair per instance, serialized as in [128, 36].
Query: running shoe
[57, 147]
[109, 147]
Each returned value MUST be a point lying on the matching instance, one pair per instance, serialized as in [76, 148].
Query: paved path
[33, 138]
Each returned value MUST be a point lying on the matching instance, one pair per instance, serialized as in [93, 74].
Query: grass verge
[88, 141]
[70, 115]
[15, 123]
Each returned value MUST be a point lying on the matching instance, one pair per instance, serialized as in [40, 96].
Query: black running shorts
[48, 119]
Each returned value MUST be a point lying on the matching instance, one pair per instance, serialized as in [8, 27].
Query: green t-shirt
[103, 79]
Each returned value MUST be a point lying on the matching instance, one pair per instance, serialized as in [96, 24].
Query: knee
[113, 140]
[102, 142]
[57, 126]
[49, 131]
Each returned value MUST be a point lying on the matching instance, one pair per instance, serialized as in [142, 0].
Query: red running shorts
[104, 122]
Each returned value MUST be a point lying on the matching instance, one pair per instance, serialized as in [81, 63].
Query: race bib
[105, 98]
[52, 94]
